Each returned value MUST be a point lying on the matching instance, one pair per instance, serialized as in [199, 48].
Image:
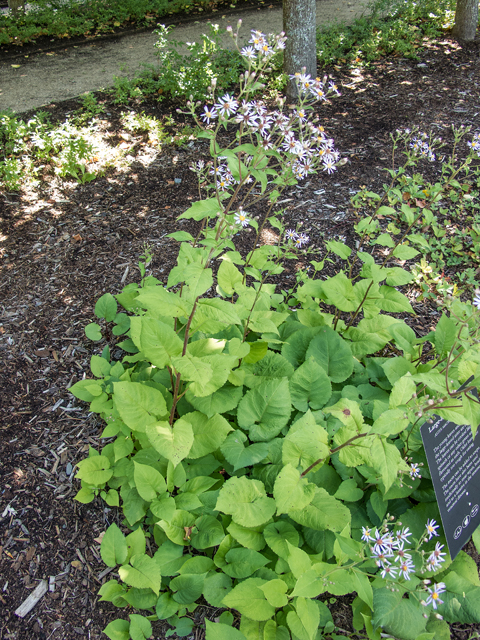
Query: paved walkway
[40, 79]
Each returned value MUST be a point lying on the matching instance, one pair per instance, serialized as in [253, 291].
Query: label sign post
[454, 462]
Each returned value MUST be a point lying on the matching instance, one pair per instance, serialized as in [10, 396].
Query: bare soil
[64, 245]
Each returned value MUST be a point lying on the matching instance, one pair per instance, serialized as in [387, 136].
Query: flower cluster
[314, 88]
[298, 239]
[391, 555]
[421, 146]
[475, 143]
[258, 45]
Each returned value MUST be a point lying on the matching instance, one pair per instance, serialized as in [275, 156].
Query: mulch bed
[63, 246]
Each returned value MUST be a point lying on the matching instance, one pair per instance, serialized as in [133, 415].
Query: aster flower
[381, 557]
[290, 234]
[436, 557]
[227, 105]
[241, 218]
[249, 53]
[475, 143]
[432, 527]
[389, 571]
[406, 568]
[476, 300]
[302, 239]
[367, 534]
[329, 166]
[209, 113]
[401, 555]
[401, 535]
[434, 594]
[415, 471]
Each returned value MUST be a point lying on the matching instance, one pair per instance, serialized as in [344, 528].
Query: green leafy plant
[431, 217]
[28, 147]
[267, 445]
[390, 28]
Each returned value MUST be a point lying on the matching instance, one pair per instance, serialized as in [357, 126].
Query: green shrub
[267, 443]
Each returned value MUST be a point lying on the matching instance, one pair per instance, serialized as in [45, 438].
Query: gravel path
[33, 81]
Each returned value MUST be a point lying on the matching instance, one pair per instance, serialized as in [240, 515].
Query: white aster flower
[432, 527]
[241, 218]
[209, 113]
[434, 594]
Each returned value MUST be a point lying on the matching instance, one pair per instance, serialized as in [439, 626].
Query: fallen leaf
[100, 538]
[15, 66]
[77, 564]
[77, 237]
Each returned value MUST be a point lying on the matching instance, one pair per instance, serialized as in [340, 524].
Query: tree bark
[466, 20]
[299, 24]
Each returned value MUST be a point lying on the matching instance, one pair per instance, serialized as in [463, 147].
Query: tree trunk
[299, 24]
[466, 20]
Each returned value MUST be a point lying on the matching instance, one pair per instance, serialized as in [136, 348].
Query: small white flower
[406, 568]
[302, 239]
[241, 218]
[476, 300]
[415, 471]
[290, 234]
[432, 527]
[209, 113]
[249, 53]
[367, 534]
[227, 105]
[434, 593]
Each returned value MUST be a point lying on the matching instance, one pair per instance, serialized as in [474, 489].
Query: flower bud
[229, 29]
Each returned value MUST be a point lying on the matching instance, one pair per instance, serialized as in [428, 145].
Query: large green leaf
[249, 537]
[225, 399]
[173, 442]
[332, 353]
[246, 501]
[169, 558]
[208, 533]
[178, 527]
[202, 209]
[445, 334]
[106, 307]
[291, 491]
[164, 303]
[397, 615]
[113, 548]
[249, 600]
[304, 622]
[239, 455]
[219, 631]
[148, 481]
[390, 423]
[339, 292]
[216, 587]
[207, 374]
[138, 404]
[228, 277]
[118, 630]
[324, 512]
[296, 346]
[188, 587]
[143, 573]
[462, 600]
[305, 443]
[140, 627]
[275, 591]
[310, 386]
[386, 460]
[265, 409]
[278, 534]
[94, 470]
[393, 301]
[155, 339]
[212, 314]
[241, 563]
[208, 433]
